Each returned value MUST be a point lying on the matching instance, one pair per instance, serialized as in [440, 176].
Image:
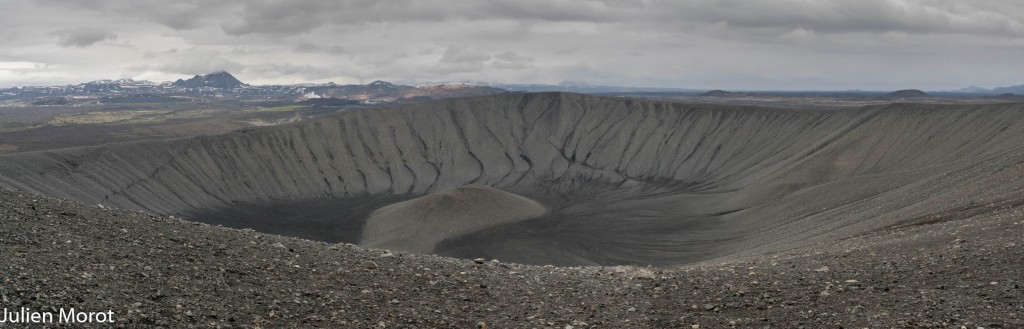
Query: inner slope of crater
[620, 181]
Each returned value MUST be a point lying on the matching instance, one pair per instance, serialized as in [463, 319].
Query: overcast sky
[727, 44]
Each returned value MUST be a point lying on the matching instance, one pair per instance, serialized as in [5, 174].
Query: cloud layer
[83, 37]
[731, 44]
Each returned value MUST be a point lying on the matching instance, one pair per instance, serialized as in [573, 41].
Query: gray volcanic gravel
[163, 272]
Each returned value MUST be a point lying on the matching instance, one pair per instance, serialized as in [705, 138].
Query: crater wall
[625, 180]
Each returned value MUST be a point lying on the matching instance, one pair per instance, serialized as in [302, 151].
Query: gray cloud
[82, 37]
[237, 17]
[307, 47]
[460, 59]
[510, 60]
[856, 16]
[190, 62]
[739, 44]
[302, 71]
[463, 55]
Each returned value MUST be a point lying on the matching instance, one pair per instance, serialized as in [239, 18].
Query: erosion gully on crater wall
[570, 179]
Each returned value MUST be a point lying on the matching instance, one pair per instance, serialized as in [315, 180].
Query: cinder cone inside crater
[417, 225]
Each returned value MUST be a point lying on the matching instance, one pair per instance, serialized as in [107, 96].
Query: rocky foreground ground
[165, 272]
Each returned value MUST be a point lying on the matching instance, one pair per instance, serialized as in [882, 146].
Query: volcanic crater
[562, 179]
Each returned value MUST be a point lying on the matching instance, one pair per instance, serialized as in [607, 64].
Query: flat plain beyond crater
[565, 179]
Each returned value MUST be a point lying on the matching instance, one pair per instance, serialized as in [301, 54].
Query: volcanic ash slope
[624, 181]
[417, 225]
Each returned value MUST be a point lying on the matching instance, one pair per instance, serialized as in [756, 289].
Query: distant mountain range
[994, 91]
[224, 86]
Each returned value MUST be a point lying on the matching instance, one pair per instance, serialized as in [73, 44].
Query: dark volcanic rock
[908, 93]
[719, 93]
[219, 80]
